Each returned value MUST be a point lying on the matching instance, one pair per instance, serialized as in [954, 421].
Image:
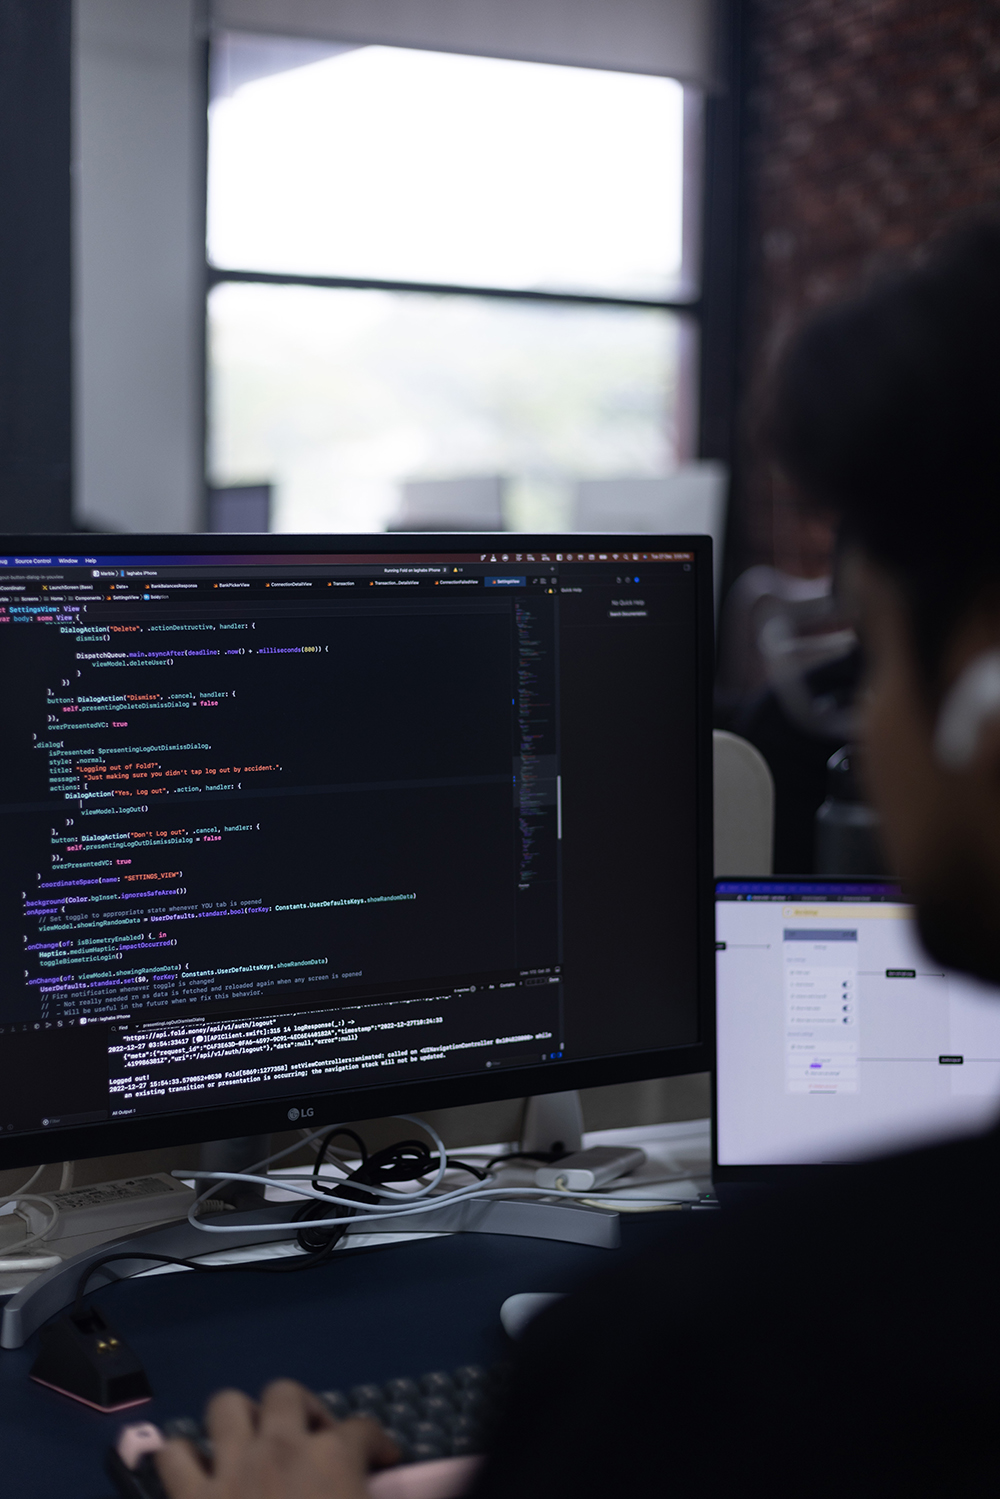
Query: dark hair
[887, 410]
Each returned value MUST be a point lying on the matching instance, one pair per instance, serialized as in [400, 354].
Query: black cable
[263, 1267]
[547, 1157]
[324, 1146]
[312, 1240]
[475, 1171]
[406, 1160]
[425, 1159]
[403, 1161]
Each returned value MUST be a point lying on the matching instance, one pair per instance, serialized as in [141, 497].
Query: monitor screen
[837, 1037]
[317, 828]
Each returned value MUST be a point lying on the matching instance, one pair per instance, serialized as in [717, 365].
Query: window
[443, 267]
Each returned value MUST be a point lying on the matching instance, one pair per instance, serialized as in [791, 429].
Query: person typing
[827, 1340]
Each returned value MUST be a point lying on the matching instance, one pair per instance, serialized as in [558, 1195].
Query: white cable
[302, 1189]
[247, 1175]
[385, 1191]
[446, 1199]
[279, 1155]
[13, 1262]
[297, 1186]
[289, 1183]
[309, 1137]
[410, 1204]
[14, 1196]
[45, 1232]
[379, 1191]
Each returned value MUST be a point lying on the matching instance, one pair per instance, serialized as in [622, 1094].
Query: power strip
[104, 1209]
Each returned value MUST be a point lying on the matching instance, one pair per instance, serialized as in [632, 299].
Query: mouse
[518, 1310]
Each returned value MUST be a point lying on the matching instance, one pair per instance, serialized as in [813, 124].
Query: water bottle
[846, 826]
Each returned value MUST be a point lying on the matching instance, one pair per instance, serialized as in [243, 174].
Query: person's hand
[287, 1447]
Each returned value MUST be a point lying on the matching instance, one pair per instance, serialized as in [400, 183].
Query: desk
[369, 1314]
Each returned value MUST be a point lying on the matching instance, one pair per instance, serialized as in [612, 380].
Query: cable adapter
[587, 1169]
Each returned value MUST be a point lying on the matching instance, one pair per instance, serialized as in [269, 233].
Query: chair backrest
[743, 807]
[691, 500]
[473, 504]
[240, 507]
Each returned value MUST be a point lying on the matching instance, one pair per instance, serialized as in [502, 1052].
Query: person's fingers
[289, 1427]
[286, 1409]
[317, 1415]
[230, 1416]
[181, 1471]
[231, 1426]
[366, 1444]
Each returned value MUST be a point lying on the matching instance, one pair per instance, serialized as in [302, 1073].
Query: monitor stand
[548, 1119]
[553, 1122]
[239, 1154]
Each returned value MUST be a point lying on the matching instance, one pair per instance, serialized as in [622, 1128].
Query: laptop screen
[837, 1036]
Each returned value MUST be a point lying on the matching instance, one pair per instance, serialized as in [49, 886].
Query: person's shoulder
[920, 1204]
[932, 1180]
[784, 1303]
[928, 1190]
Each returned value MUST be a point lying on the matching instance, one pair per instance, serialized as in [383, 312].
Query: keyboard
[439, 1415]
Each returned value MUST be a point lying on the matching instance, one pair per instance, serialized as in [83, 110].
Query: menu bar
[321, 559]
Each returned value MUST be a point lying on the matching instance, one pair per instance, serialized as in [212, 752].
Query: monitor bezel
[770, 1176]
[115, 1137]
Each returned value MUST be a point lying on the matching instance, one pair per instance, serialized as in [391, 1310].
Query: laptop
[837, 1037]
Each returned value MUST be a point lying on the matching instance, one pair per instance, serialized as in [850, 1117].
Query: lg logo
[294, 1114]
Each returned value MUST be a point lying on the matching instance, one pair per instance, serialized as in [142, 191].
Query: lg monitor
[304, 828]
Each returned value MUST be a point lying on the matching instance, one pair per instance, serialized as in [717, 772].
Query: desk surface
[369, 1314]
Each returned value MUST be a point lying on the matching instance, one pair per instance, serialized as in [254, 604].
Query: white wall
[138, 264]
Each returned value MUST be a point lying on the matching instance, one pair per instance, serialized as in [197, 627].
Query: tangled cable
[320, 1222]
[406, 1160]
[361, 1191]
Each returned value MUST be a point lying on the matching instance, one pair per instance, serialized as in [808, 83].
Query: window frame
[706, 304]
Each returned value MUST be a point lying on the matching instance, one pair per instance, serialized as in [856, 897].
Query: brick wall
[871, 124]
